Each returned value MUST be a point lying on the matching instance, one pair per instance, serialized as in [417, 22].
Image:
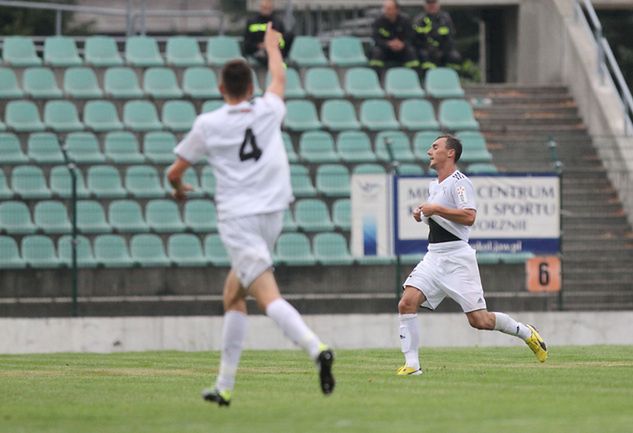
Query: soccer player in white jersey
[450, 268]
[242, 142]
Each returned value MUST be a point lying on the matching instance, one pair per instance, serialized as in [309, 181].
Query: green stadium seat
[158, 147]
[457, 115]
[43, 148]
[333, 180]
[342, 214]
[474, 147]
[91, 217]
[200, 216]
[23, 116]
[9, 255]
[481, 168]
[403, 83]
[339, 115]
[215, 252]
[422, 141]
[51, 217]
[19, 51]
[101, 116]
[515, 258]
[399, 144]
[147, 250]
[301, 115]
[301, 182]
[178, 115]
[161, 83]
[126, 216]
[207, 181]
[289, 224]
[443, 83]
[363, 83]
[417, 114]
[9, 88]
[111, 252]
[15, 218]
[306, 51]
[40, 83]
[11, 150]
[293, 249]
[347, 51]
[28, 182]
[212, 105]
[83, 148]
[183, 51]
[142, 181]
[369, 169]
[317, 147]
[104, 182]
[61, 182]
[185, 249]
[410, 169]
[377, 115]
[39, 252]
[121, 147]
[141, 116]
[200, 83]
[61, 51]
[163, 216]
[3, 127]
[221, 49]
[121, 83]
[293, 84]
[190, 177]
[101, 51]
[323, 83]
[290, 150]
[85, 257]
[354, 146]
[330, 249]
[142, 51]
[62, 116]
[5, 191]
[81, 83]
[312, 215]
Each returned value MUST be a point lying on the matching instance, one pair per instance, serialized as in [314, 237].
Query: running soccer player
[242, 142]
[450, 267]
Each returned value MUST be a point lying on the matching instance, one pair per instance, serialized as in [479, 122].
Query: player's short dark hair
[453, 143]
[236, 78]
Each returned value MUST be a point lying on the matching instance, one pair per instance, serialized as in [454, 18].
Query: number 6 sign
[543, 274]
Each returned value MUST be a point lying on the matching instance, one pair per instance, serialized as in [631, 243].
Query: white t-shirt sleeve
[463, 193]
[276, 105]
[193, 148]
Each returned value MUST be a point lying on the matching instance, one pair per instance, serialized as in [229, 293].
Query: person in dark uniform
[255, 29]
[392, 34]
[434, 34]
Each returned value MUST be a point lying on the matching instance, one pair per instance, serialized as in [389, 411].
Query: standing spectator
[255, 29]
[434, 33]
[392, 38]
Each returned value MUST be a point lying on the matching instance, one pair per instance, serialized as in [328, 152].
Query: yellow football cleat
[408, 371]
[536, 343]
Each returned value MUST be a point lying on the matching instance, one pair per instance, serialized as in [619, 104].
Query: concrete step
[589, 254]
[510, 87]
[529, 118]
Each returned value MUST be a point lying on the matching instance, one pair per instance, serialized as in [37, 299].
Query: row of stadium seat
[202, 83]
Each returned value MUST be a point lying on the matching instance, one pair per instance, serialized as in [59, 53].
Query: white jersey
[243, 145]
[456, 192]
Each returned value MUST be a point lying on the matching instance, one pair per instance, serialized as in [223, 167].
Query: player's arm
[174, 175]
[459, 216]
[275, 61]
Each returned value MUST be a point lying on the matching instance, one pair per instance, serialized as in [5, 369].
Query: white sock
[233, 334]
[508, 325]
[291, 323]
[410, 339]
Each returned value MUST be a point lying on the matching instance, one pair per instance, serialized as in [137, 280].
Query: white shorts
[449, 269]
[250, 241]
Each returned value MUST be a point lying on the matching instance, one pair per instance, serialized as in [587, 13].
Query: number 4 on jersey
[249, 140]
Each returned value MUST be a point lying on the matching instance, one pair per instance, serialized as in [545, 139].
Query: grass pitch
[487, 390]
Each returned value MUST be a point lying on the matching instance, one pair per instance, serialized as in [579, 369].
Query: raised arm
[275, 62]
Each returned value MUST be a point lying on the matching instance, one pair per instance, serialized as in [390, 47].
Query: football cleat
[222, 398]
[325, 361]
[408, 371]
[536, 344]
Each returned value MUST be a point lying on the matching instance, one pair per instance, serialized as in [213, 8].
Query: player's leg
[409, 330]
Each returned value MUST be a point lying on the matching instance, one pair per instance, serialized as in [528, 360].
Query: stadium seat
[212, 105]
[61, 182]
[81, 83]
[11, 150]
[399, 145]
[101, 51]
[183, 51]
[301, 115]
[333, 180]
[185, 249]
[85, 257]
[158, 147]
[163, 216]
[377, 115]
[200, 83]
[9, 255]
[347, 51]
[5, 191]
[51, 217]
[301, 182]
[473, 147]
[215, 252]
[178, 115]
[104, 182]
[330, 249]
[317, 147]
[19, 51]
[403, 83]
[15, 218]
[161, 83]
[101, 116]
[363, 83]
[339, 115]
[39, 252]
[207, 181]
[457, 115]
[121, 147]
[312, 215]
[142, 181]
[91, 217]
[200, 216]
[111, 252]
[142, 51]
[43, 148]
[23, 116]
[289, 224]
[61, 51]
[410, 169]
[28, 182]
[147, 250]
[323, 83]
[40, 83]
[9, 88]
[481, 168]
[417, 114]
[422, 142]
[62, 116]
[443, 83]
[190, 177]
[126, 216]
[368, 169]
[121, 83]
[141, 116]
[342, 214]
[293, 84]
[83, 148]
[3, 126]
[354, 146]
[221, 49]
[293, 249]
[290, 150]
[306, 51]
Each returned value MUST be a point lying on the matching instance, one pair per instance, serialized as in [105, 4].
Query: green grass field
[587, 389]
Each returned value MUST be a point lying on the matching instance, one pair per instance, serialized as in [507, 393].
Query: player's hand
[417, 213]
[272, 38]
[428, 209]
[181, 193]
